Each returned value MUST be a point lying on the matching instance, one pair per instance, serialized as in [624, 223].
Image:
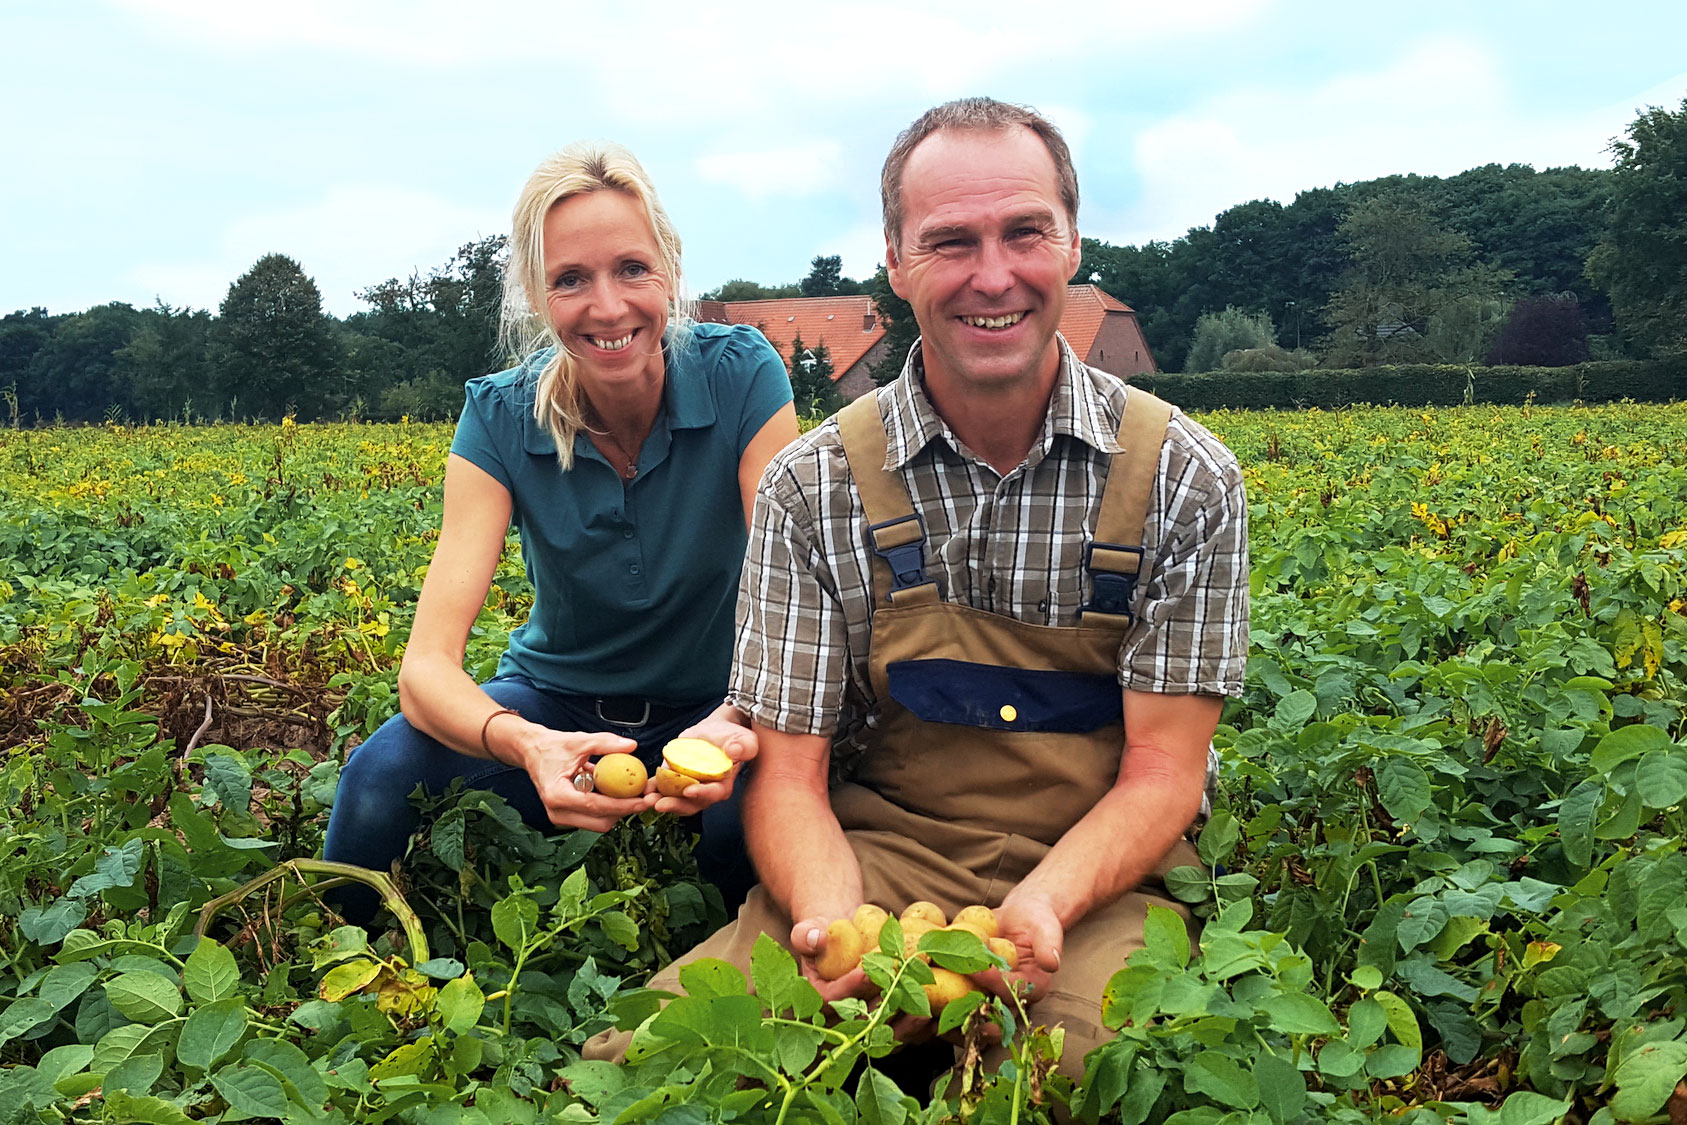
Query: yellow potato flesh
[619, 775]
[695, 757]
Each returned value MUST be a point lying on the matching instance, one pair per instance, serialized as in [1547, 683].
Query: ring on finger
[583, 781]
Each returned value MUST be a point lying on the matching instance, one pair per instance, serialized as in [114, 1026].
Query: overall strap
[1115, 559]
[899, 534]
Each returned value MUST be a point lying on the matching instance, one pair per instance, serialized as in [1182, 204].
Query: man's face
[987, 250]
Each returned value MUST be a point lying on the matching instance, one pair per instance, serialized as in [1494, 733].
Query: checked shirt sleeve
[1191, 635]
[792, 655]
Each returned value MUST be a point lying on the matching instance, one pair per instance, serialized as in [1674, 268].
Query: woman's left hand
[739, 743]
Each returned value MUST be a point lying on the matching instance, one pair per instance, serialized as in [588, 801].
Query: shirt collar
[1077, 409]
[687, 403]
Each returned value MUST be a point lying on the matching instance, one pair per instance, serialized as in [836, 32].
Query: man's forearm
[801, 856]
[1120, 841]
[1116, 845]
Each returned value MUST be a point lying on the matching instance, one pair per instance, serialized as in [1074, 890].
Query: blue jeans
[373, 819]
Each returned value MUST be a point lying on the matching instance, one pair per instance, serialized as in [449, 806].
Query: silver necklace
[630, 469]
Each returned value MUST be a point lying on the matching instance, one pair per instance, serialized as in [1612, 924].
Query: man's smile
[1005, 320]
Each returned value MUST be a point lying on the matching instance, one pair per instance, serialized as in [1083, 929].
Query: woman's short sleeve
[485, 429]
[759, 380]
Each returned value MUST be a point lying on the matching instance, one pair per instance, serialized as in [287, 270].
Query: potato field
[1446, 876]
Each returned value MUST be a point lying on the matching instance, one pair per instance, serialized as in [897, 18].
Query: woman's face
[605, 290]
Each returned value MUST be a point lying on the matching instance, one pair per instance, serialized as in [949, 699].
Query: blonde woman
[626, 451]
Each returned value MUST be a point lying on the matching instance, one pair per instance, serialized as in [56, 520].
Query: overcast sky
[154, 149]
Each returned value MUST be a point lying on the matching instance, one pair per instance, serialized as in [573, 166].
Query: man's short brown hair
[972, 113]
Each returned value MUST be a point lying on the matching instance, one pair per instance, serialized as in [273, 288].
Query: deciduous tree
[1218, 334]
[1642, 260]
[1414, 289]
[275, 350]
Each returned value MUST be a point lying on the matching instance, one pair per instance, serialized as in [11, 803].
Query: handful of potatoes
[685, 762]
[848, 940]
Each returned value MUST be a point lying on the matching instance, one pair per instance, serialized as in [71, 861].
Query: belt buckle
[641, 721]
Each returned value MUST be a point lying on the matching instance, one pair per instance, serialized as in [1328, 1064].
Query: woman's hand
[739, 743]
[553, 758]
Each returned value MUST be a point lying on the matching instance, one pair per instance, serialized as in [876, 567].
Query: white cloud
[348, 238]
[801, 169]
[755, 56]
[1438, 108]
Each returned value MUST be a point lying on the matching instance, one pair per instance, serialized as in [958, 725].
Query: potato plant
[1444, 872]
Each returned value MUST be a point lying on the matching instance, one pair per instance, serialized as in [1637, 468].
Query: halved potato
[698, 758]
[671, 784]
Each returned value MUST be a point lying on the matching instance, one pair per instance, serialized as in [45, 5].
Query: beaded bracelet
[484, 745]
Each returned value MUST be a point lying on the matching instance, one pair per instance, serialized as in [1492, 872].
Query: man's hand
[738, 742]
[553, 758]
[1030, 923]
[808, 939]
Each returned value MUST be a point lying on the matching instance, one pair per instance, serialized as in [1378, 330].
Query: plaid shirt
[1005, 544]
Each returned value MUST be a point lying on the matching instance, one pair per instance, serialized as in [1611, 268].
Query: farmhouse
[1100, 328]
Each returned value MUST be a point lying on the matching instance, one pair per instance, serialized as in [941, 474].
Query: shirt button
[632, 569]
[627, 534]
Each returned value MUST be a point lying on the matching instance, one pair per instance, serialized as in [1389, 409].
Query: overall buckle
[906, 558]
[1114, 590]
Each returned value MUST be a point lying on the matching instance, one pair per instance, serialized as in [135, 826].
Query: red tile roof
[848, 325]
[1086, 308]
[839, 322]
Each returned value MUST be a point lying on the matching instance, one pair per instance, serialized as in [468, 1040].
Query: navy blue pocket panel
[988, 695]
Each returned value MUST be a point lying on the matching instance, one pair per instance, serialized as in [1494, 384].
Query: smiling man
[988, 614]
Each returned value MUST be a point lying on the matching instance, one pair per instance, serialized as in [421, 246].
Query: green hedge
[1423, 385]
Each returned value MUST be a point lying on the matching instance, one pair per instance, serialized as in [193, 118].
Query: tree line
[1499, 264]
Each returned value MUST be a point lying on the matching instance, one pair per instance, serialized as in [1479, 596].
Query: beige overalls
[992, 736]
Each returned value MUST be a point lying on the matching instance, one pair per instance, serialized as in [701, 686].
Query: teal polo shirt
[634, 581]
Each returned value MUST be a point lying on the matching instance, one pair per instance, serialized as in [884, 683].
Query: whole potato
[870, 919]
[842, 951]
[619, 775]
[924, 911]
[946, 988]
[980, 919]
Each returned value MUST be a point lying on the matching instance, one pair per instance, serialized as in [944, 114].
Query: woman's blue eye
[567, 281]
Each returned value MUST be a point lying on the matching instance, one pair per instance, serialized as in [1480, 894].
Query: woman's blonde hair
[583, 167]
